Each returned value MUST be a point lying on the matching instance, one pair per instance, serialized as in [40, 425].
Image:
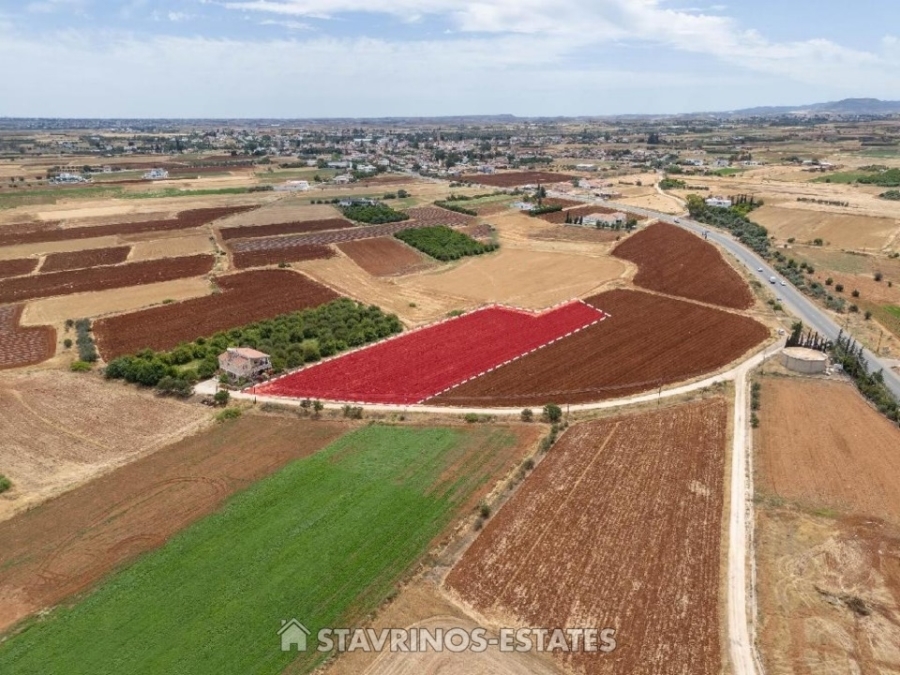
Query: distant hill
[848, 106]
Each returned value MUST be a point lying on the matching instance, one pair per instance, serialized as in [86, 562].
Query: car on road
[759, 269]
[772, 280]
[675, 220]
[783, 282]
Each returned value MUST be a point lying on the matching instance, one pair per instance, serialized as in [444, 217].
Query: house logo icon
[293, 635]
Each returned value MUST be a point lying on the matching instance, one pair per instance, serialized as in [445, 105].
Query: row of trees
[752, 235]
[444, 243]
[809, 339]
[290, 339]
[450, 206]
[850, 355]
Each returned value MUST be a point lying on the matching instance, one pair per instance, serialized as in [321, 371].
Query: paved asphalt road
[791, 298]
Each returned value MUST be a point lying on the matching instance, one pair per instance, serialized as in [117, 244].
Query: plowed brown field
[244, 259]
[185, 220]
[70, 543]
[428, 216]
[73, 260]
[648, 341]
[330, 237]
[820, 444]
[17, 267]
[618, 527]
[245, 297]
[672, 260]
[103, 278]
[23, 346]
[514, 178]
[385, 256]
[250, 231]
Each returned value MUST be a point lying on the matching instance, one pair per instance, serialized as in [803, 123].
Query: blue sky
[368, 58]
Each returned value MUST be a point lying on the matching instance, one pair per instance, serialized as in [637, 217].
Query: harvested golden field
[819, 444]
[60, 429]
[521, 277]
[582, 540]
[55, 311]
[170, 247]
[829, 594]
[840, 230]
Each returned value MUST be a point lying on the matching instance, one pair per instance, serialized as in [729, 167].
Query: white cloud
[177, 17]
[290, 24]
[51, 6]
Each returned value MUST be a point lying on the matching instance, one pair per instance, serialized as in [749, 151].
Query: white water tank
[803, 360]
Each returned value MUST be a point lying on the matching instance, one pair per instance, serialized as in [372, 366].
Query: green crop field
[323, 541]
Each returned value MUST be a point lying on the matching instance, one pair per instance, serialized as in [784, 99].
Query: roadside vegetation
[735, 220]
[5, 484]
[444, 243]
[290, 339]
[849, 354]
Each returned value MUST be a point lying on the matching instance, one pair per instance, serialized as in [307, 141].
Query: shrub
[829, 281]
[67, 343]
[853, 309]
[222, 397]
[87, 351]
[80, 366]
[175, 386]
[528, 464]
[552, 413]
[5, 484]
[470, 418]
[839, 288]
[855, 293]
[443, 243]
[527, 415]
[353, 412]
[484, 510]
[754, 420]
[878, 276]
[868, 315]
[228, 414]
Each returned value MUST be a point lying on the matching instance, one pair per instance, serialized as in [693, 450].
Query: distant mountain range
[848, 106]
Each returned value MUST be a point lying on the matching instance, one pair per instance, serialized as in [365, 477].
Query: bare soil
[386, 257]
[821, 445]
[580, 543]
[17, 267]
[648, 341]
[57, 433]
[60, 262]
[23, 346]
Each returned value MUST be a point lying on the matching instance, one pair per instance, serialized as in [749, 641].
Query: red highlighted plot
[418, 365]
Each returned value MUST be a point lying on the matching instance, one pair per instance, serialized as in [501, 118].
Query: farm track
[618, 356]
[580, 543]
[104, 278]
[185, 220]
[674, 261]
[74, 260]
[245, 297]
[23, 346]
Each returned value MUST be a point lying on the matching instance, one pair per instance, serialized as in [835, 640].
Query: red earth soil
[23, 346]
[251, 231]
[33, 226]
[244, 298]
[17, 267]
[58, 262]
[185, 220]
[385, 256]
[288, 254]
[428, 216]
[675, 261]
[647, 341]
[104, 278]
[67, 545]
[559, 217]
[333, 237]
[514, 178]
[416, 365]
[618, 527]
